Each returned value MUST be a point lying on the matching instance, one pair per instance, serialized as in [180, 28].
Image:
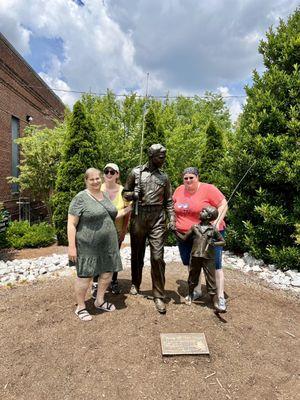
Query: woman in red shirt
[189, 199]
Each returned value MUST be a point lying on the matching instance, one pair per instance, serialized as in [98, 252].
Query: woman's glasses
[186, 178]
[109, 171]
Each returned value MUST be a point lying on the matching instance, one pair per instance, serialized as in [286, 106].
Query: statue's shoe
[160, 305]
[134, 290]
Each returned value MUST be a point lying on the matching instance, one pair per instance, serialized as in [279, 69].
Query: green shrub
[22, 234]
[3, 240]
[170, 239]
[4, 218]
[233, 240]
[286, 258]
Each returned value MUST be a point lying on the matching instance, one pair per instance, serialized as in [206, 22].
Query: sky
[186, 46]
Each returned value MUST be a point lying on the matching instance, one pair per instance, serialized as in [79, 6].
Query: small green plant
[170, 239]
[3, 240]
[285, 258]
[4, 219]
[22, 234]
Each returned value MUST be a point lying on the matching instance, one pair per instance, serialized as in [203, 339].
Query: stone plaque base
[183, 343]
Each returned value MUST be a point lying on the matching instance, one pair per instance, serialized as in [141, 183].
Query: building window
[15, 157]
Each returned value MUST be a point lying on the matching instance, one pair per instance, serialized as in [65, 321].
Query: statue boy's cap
[191, 170]
[112, 166]
[155, 149]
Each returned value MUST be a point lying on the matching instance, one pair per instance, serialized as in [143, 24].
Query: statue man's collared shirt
[155, 187]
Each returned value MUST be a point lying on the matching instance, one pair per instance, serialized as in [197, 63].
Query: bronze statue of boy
[205, 237]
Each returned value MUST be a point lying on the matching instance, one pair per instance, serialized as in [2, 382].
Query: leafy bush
[286, 258]
[4, 218]
[22, 234]
[3, 240]
[170, 239]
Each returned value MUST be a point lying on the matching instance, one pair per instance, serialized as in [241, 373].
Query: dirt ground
[47, 353]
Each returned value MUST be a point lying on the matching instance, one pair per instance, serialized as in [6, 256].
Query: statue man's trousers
[148, 224]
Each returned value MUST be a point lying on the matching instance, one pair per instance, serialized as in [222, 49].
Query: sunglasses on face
[109, 171]
[186, 178]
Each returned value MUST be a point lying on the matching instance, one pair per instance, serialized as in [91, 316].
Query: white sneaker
[133, 290]
[196, 295]
[94, 290]
[220, 305]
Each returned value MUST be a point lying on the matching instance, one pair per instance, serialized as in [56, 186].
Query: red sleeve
[214, 195]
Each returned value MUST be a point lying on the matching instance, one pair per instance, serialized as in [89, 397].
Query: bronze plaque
[183, 343]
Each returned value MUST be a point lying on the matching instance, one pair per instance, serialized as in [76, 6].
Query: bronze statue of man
[150, 188]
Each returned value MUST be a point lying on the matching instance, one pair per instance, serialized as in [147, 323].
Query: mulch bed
[47, 353]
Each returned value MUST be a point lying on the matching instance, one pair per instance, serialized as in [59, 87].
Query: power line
[102, 94]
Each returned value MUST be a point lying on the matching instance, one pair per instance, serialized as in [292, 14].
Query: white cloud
[187, 46]
[234, 104]
[62, 89]
[10, 25]
[197, 45]
[96, 53]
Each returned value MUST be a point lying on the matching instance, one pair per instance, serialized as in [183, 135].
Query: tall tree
[213, 154]
[185, 122]
[265, 212]
[41, 153]
[153, 131]
[80, 152]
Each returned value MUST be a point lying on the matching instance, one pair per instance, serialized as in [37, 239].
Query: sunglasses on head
[109, 171]
[188, 177]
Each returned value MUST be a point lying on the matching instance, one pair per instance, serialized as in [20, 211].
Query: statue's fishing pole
[136, 206]
[235, 189]
[233, 192]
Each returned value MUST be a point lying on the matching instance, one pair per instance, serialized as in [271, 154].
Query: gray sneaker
[220, 305]
[94, 290]
[133, 290]
[196, 296]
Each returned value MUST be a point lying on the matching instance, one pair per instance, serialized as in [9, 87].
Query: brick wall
[22, 93]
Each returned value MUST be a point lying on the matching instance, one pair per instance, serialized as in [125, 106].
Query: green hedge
[170, 239]
[22, 234]
[3, 241]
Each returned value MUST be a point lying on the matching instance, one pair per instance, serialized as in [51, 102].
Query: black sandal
[105, 306]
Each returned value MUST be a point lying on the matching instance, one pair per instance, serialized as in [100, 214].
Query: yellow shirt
[119, 203]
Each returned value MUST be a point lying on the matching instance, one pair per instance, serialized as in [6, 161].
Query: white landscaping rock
[25, 270]
[291, 273]
[296, 282]
[30, 278]
[247, 269]
[240, 263]
[249, 260]
[43, 271]
[256, 268]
